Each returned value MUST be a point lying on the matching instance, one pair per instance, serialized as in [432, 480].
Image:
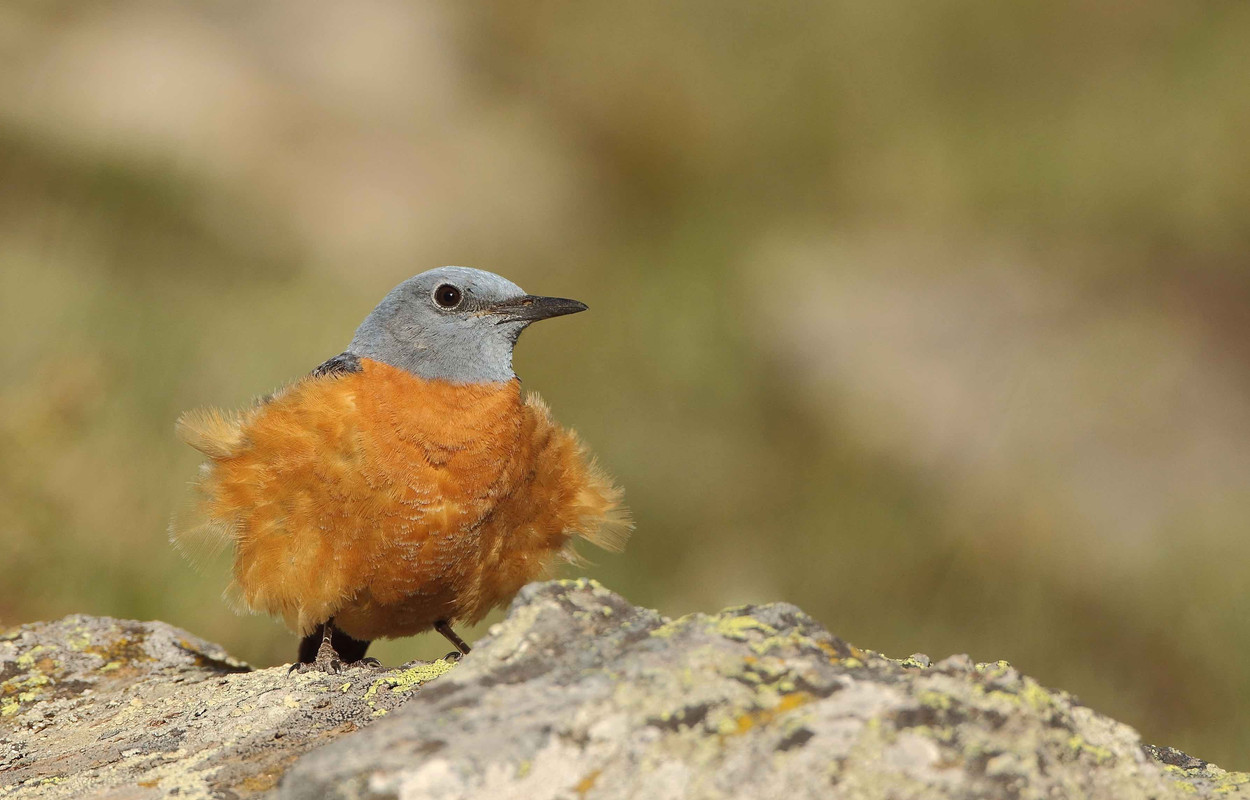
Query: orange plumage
[387, 501]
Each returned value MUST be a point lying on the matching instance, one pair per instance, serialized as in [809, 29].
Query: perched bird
[405, 484]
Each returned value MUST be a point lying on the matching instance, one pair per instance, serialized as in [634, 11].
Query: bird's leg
[462, 648]
[327, 656]
[327, 659]
[352, 651]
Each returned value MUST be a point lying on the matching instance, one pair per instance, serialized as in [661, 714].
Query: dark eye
[447, 296]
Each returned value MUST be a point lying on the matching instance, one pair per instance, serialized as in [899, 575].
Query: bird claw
[453, 656]
[333, 666]
[330, 666]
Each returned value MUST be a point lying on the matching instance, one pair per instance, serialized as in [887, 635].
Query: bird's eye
[447, 296]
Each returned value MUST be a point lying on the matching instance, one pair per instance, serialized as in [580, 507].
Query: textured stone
[577, 694]
[580, 694]
[92, 705]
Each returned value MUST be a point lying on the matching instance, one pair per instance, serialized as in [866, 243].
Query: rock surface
[577, 694]
[93, 706]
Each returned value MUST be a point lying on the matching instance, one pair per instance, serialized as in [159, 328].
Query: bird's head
[454, 323]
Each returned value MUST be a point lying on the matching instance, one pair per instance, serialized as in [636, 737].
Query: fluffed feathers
[388, 501]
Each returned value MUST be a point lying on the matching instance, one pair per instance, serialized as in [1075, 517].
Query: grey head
[454, 323]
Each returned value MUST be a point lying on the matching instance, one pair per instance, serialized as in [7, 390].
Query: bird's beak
[531, 308]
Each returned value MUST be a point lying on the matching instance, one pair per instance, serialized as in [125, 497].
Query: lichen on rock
[576, 694]
[580, 694]
[90, 704]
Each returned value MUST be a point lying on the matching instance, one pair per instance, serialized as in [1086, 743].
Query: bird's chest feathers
[443, 451]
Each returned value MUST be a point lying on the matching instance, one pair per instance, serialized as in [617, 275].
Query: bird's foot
[334, 666]
[453, 656]
[327, 661]
[330, 666]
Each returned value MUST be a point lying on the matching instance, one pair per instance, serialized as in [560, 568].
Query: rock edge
[578, 693]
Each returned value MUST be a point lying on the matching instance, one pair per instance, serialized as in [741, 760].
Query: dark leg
[327, 647]
[351, 650]
[309, 644]
[444, 627]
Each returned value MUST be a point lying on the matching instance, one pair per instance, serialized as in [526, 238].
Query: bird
[405, 484]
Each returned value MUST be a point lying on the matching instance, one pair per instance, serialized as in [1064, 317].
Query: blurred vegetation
[930, 318]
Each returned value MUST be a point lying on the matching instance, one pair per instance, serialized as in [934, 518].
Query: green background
[930, 318]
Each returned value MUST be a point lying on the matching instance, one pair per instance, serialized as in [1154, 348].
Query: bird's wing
[218, 434]
[341, 364]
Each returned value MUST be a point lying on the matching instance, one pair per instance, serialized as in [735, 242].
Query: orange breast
[389, 502]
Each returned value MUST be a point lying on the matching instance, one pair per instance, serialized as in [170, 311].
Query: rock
[576, 694]
[92, 704]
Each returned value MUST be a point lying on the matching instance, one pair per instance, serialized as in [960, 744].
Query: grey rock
[581, 694]
[577, 694]
[93, 706]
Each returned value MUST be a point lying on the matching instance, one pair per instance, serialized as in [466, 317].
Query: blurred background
[928, 317]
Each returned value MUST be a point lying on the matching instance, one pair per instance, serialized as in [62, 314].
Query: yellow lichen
[738, 627]
[27, 660]
[909, 662]
[1080, 745]
[1228, 781]
[121, 649]
[993, 669]
[587, 783]
[765, 716]
[933, 699]
[408, 679]
[669, 628]
[83, 639]
[1035, 696]
[261, 782]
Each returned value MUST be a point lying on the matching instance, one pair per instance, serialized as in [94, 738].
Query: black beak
[531, 308]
